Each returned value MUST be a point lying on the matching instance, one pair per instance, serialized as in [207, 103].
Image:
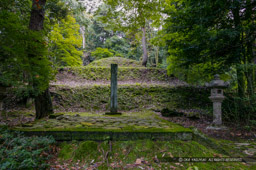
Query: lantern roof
[217, 82]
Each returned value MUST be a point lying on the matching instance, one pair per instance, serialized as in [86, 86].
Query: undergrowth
[144, 154]
[20, 152]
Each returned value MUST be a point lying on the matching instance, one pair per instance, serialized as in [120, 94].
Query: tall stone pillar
[113, 96]
[113, 105]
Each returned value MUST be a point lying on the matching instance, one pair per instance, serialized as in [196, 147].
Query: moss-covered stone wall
[97, 97]
[124, 73]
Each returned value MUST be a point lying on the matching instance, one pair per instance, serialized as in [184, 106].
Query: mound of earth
[122, 62]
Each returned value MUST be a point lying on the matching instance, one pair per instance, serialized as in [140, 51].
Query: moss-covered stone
[122, 62]
[93, 73]
[101, 127]
[131, 97]
[54, 116]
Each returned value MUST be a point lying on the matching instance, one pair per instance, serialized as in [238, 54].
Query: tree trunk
[240, 81]
[250, 71]
[240, 71]
[157, 56]
[250, 55]
[254, 70]
[144, 46]
[37, 15]
[43, 102]
[82, 30]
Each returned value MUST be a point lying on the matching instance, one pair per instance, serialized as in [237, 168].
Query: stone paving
[99, 127]
[65, 121]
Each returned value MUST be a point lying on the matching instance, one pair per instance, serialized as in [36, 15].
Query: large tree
[43, 102]
[133, 15]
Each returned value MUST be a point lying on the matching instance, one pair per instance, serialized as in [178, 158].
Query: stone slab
[109, 135]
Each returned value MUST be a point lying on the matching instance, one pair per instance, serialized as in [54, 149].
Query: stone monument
[217, 98]
[113, 96]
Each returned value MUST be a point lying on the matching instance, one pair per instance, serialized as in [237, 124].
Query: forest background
[194, 40]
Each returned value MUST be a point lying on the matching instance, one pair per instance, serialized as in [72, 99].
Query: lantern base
[217, 127]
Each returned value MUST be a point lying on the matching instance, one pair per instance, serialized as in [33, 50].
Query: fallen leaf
[170, 154]
[138, 161]
[172, 167]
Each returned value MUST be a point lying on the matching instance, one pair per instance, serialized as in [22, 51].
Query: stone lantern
[217, 98]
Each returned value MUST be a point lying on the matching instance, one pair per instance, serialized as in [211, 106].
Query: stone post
[113, 96]
[113, 105]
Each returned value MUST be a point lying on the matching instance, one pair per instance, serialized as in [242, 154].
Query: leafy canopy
[65, 41]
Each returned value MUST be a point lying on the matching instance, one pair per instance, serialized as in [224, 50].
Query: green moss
[13, 114]
[66, 151]
[78, 128]
[122, 62]
[53, 116]
[133, 97]
[124, 73]
[127, 152]
[86, 149]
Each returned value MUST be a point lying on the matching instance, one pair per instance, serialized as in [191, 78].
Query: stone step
[110, 135]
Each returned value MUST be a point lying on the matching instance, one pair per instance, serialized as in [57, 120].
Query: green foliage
[206, 38]
[239, 109]
[133, 16]
[65, 41]
[100, 53]
[119, 46]
[134, 13]
[18, 44]
[13, 39]
[19, 152]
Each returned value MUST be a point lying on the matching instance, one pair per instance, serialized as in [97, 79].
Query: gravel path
[72, 83]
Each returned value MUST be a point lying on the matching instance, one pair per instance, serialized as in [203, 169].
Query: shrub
[237, 109]
[20, 152]
[170, 113]
[100, 53]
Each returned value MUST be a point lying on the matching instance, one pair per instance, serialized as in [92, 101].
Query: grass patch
[151, 153]
[122, 62]
[124, 73]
